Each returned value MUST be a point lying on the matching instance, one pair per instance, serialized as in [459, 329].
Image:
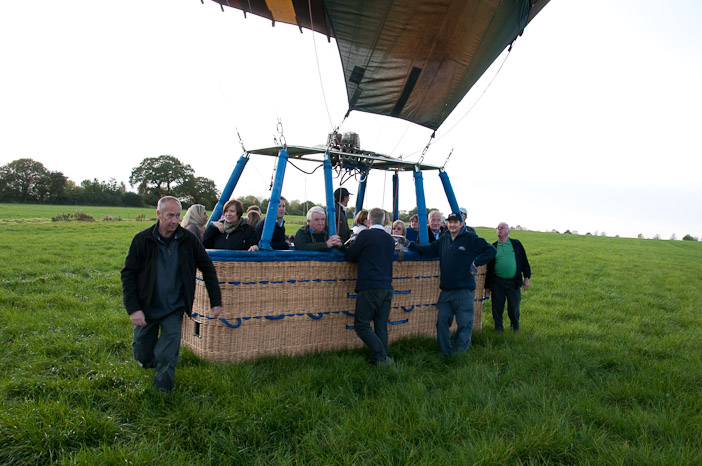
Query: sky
[590, 124]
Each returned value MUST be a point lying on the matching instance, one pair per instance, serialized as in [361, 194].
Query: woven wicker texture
[298, 307]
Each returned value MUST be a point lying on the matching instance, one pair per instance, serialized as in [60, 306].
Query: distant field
[22, 213]
[606, 368]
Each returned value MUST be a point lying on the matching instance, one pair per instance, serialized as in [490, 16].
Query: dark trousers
[152, 350]
[505, 290]
[457, 303]
[373, 305]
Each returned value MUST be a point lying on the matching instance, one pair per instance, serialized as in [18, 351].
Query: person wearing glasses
[507, 274]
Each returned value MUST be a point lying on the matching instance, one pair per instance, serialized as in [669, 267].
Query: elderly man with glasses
[506, 274]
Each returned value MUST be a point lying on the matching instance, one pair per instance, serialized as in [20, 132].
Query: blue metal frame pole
[449, 191]
[229, 188]
[362, 191]
[421, 206]
[395, 196]
[329, 188]
[274, 202]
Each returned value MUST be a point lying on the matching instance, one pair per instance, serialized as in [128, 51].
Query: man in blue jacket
[158, 286]
[373, 250]
[460, 253]
[506, 274]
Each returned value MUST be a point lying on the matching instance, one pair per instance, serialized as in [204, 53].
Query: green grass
[606, 368]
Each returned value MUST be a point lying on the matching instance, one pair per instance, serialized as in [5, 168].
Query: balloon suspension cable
[509, 50]
[447, 159]
[319, 69]
[426, 148]
[402, 137]
[241, 141]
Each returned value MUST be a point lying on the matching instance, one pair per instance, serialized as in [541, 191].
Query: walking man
[504, 277]
[158, 286]
[460, 253]
[373, 250]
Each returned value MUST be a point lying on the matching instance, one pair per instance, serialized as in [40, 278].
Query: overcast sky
[592, 123]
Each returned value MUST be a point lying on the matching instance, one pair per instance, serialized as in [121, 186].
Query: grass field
[607, 368]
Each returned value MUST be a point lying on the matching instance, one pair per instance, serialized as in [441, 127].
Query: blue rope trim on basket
[316, 280]
[390, 322]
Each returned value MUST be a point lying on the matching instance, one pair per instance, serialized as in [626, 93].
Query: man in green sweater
[506, 274]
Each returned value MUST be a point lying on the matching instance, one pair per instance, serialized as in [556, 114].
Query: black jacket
[373, 250]
[279, 239]
[307, 240]
[342, 224]
[240, 239]
[523, 268]
[139, 272]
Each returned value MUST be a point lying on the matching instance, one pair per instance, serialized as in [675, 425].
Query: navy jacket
[373, 250]
[278, 241]
[139, 272]
[456, 256]
[523, 268]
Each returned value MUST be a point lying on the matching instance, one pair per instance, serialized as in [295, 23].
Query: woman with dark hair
[231, 232]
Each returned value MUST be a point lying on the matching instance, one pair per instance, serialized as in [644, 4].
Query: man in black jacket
[279, 240]
[504, 277]
[373, 250]
[341, 197]
[158, 286]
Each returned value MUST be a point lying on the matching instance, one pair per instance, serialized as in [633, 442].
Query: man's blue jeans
[452, 303]
[159, 352]
[373, 305]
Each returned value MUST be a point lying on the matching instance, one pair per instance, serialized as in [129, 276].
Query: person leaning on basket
[313, 236]
[460, 252]
[232, 232]
[373, 250]
[158, 286]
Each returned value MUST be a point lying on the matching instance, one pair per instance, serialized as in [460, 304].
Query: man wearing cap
[464, 214]
[341, 197]
[460, 253]
[504, 277]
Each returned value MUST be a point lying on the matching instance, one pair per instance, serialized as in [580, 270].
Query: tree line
[28, 181]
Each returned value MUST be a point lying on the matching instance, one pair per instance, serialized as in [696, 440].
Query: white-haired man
[314, 236]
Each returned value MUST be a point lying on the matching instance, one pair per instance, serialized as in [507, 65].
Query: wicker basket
[302, 306]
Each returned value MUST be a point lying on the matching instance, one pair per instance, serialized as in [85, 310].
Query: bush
[62, 218]
[132, 200]
[83, 217]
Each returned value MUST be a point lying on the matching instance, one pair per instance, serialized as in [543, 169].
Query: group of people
[158, 278]
[235, 230]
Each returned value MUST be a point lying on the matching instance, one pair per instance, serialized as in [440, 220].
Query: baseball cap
[454, 216]
[463, 211]
[341, 193]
